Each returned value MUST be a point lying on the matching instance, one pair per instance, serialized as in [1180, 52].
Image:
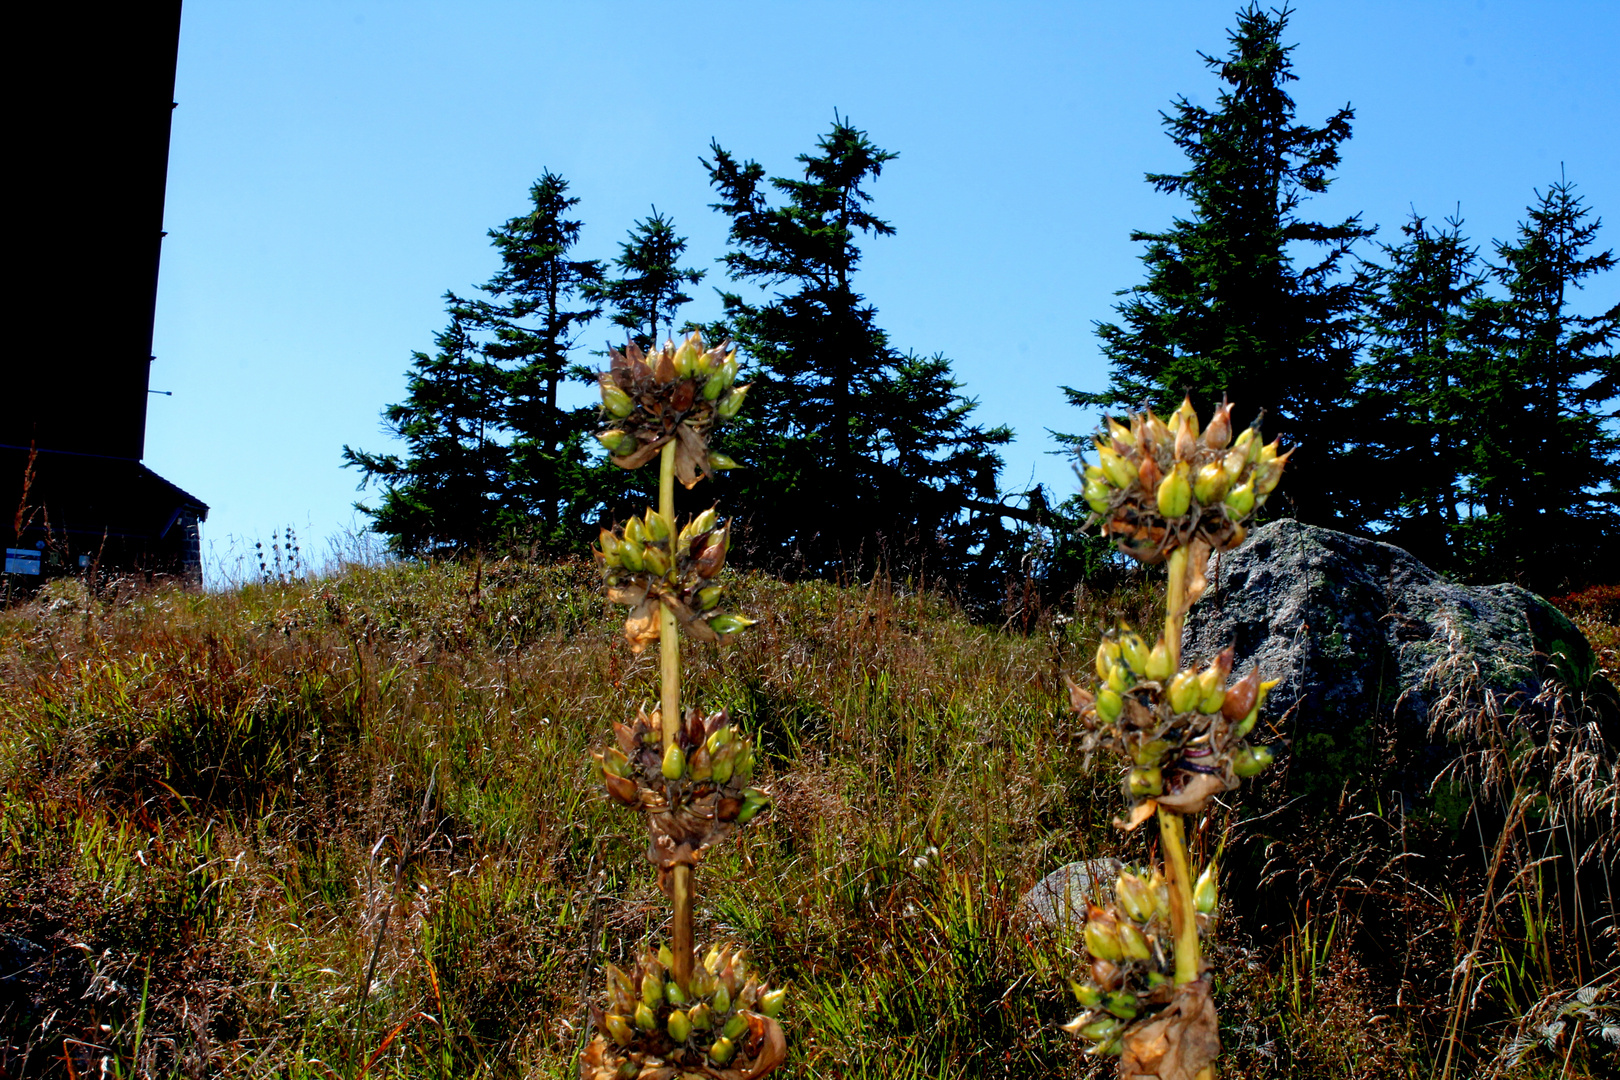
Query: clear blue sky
[335, 167]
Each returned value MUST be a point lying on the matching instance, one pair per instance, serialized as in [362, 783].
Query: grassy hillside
[222, 812]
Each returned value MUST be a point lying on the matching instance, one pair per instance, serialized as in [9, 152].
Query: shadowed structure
[90, 152]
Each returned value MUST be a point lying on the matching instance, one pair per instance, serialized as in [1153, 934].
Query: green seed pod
[700, 767]
[631, 554]
[743, 771]
[1159, 663]
[1097, 497]
[685, 356]
[1211, 692]
[1102, 1028]
[617, 403]
[1152, 753]
[1206, 894]
[679, 1026]
[1123, 1004]
[1210, 484]
[1119, 678]
[1145, 783]
[658, 527]
[729, 623]
[1108, 657]
[754, 801]
[652, 990]
[645, 1018]
[702, 1018]
[771, 1001]
[1184, 691]
[715, 385]
[635, 532]
[735, 1027]
[721, 462]
[1175, 492]
[1109, 705]
[1252, 760]
[1102, 941]
[611, 439]
[1234, 464]
[722, 1000]
[619, 1028]
[1119, 472]
[724, 760]
[674, 762]
[1134, 895]
[728, 405]
[1132, 943]
[654, 560]
[1240, 500]
[609, 545]
[615, 761]
[1246, 725]
[1134, 651]
[1093, 474]
[1086, 994]
[721, 1051]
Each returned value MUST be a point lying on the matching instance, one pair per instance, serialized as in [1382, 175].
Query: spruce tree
[1413, 429]
[450, 492]
[541, 300]
[1245, 296]
[857, 453]
[652, 288]
[1545, 461]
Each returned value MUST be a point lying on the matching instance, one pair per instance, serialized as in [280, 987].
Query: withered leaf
[1140, 813]
[642, 625]
[640, 457]
[1194, 794]
[1178, 1042]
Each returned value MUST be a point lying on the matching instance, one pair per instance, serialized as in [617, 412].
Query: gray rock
[1060, 898]
[1368, 642]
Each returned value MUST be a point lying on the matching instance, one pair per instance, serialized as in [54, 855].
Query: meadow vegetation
[349, 826]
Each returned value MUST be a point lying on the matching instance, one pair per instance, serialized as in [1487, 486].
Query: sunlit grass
[206, 798]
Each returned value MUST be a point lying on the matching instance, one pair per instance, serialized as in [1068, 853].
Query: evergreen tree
[1244, 296]
[450, 492]
[542, 298]
[1413, 429]
[651, 291]
[1545, 462]
[857, 452]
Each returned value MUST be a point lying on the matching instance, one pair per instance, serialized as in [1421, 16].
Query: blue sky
[335, 167]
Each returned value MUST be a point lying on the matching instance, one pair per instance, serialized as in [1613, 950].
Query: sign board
[22, 561]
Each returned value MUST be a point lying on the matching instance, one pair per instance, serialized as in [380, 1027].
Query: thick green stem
[669, 639]
[1175, 605]
[1183, 916]
[669, 669]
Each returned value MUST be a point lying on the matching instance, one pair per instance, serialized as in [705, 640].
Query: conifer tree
[450, 492]
[542, 298]
[651, 290]
[860, 452]
[1413, 427]
[1545, 469]
[1245, 296]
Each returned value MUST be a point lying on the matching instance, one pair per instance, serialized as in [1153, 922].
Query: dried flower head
[721, 1024]
[678, 392]
[694, 791]
[1158, 486]
[648, 562]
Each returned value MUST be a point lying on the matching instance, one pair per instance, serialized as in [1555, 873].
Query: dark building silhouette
[92, 93]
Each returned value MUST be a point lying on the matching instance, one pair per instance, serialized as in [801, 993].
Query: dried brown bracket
[690, 773]
[1167, 493]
